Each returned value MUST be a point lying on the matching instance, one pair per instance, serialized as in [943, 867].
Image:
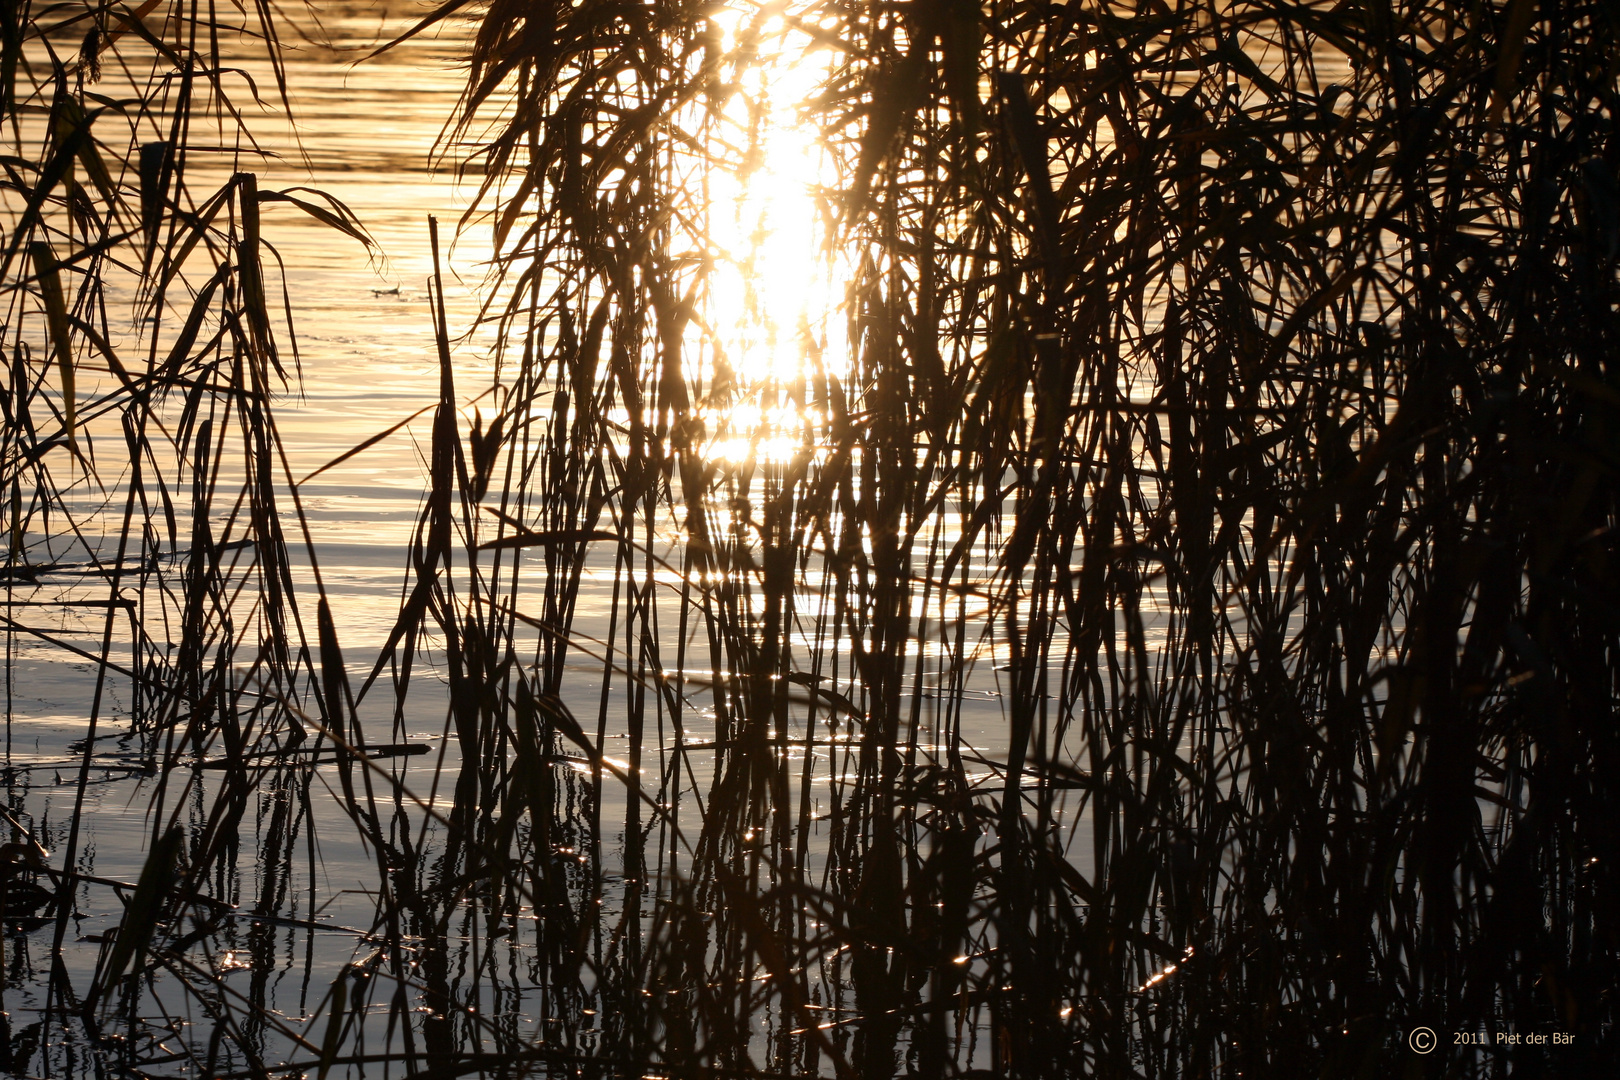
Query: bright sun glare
[776, 291]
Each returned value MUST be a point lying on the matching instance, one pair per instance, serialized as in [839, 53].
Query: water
[366, 135]
[734, 886]
[370, 135]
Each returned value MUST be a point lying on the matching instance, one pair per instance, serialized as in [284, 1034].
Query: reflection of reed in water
[1174, 639]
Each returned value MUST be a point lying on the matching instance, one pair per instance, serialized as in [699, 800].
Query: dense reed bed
[1161, 622]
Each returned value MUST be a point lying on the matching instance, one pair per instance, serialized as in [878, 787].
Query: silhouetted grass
[1230, 392]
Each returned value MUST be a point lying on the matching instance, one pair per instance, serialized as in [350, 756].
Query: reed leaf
[47, 272]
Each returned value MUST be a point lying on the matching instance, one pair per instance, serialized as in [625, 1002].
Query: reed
[1228, 399]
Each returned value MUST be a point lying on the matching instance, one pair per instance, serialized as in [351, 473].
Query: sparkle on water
[777, 284]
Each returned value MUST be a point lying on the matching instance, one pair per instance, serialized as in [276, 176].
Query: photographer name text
[1510, 1038]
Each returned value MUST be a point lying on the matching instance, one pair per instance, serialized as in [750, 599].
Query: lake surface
[985, 629]
[372, 134]
[366, 134]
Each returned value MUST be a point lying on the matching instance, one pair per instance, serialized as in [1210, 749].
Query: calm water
[366, 135]
[370, 135]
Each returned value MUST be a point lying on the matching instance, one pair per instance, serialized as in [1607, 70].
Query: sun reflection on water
[777, 283]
